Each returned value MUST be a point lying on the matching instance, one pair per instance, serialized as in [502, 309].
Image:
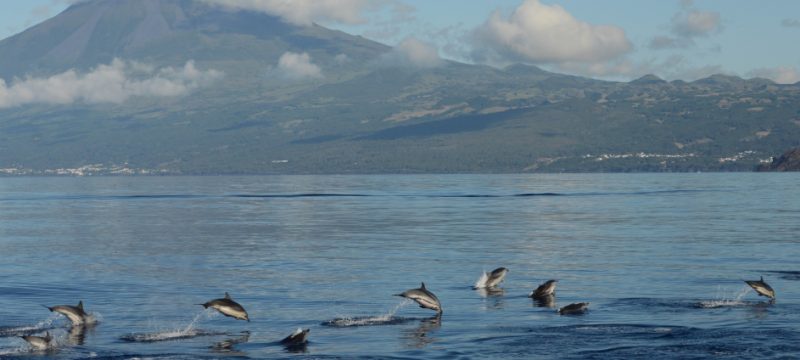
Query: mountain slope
[167, 32]
[359, 110]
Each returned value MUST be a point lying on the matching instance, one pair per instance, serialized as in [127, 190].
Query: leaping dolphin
[423, 297]
[547, 288]
[762, 288]
[492, 279]
[75, 314]
[39, 342]
[226, 306]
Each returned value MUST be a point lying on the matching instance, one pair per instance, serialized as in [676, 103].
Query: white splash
[482, 281]
[42, 325]
[93, 319]
[188, 331]
[726, 300]
[14, 351]
[370, 320]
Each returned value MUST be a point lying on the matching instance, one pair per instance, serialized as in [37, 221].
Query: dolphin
[496, 277]
[423, 297]
[228, 307]
[39, 342]
[762, 288]
[299, 337]
[492, 279]
[75, 314]
[548, 288]
[574, 309]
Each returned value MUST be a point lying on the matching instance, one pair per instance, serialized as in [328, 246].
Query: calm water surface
[660, 257]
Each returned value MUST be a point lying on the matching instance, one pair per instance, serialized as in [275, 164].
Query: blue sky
[613, 39]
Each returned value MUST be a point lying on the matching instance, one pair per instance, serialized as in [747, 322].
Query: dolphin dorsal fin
[80, 305]
[762, 278]
[227, 296]
[423, 286]
[47, 336]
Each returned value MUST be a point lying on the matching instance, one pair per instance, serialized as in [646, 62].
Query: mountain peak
[720, 79]
[166, 33]
[525, 69]
[648, 79]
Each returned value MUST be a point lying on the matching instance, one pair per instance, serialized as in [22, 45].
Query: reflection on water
[77, 333]
[548, 301]
[227, 346]
[421, 335]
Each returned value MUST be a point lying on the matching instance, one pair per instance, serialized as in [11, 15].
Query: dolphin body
[496, 277]
[423, 297]
[299, 337]
[226, 306]
[75, 314]
[492, 279]
[39, 342]
[546, 289]
[762, 288]
[574, 309]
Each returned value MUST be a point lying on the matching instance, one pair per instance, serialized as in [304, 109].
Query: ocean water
[659, 257]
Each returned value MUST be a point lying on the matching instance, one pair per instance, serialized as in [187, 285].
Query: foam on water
[724, 300]
[45, 324]
[14, 351]
[385, 319]
[481, 282]
[187, 332]
[93, 319]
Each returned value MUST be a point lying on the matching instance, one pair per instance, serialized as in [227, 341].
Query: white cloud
[298, 66]
[541, 33]
[669, 42]
[686, 25]
[691, 23]
[342, 59]
[306, 12]
[792, 23]
[415, 53]
[780, 75]
[112, 83]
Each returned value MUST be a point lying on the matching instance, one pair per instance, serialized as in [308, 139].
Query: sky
[610, 39]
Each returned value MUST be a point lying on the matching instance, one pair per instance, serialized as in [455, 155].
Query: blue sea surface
[661, 258]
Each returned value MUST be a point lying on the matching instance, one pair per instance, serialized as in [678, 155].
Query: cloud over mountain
[686, 25]
[780, 74]
[415, 53]
[306, 12]
[541, 33]
[298, 66]
[695, 23]
[112, 83]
